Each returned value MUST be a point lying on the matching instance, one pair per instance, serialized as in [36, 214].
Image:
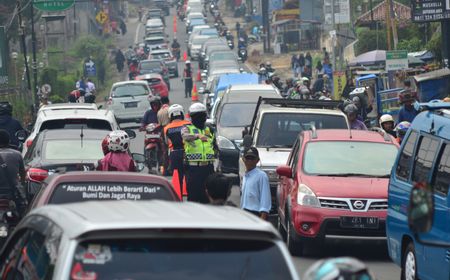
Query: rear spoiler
[293, 103]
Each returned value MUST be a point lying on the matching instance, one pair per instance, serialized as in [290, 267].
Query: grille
[333, 204]
[378, 205]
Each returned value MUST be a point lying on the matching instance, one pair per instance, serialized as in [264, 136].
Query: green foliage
[369, 40]
[434, 45]
[90, 47]
[412, 45]
[61, 84]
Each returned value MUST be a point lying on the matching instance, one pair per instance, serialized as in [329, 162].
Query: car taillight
[29, 143]
[37, 174]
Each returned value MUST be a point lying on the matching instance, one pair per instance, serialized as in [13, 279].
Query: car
[208, 47]
[61, 150]
[75, 186]
[155, 42]
[70, 115]
[167, 56]
[144, 240]
[275, 127]
[222, 56]
[158, 66]
[334, 186]
[156, 83]
[154, 24]
[129, 100]
[421, 173]
[196, 45]
[193, 23]
[223, 64]
[155, 13]
[196, 31]
[233, 115]
[163, 5]
[194, 15]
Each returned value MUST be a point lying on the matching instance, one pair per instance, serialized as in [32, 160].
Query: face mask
[199, 120]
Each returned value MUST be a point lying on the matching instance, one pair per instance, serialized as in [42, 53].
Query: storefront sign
[430, 10]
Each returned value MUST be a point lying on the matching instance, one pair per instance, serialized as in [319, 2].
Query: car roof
[274, 109]
[75, 113]
[242, 78]
[438, 119]
[252, 87]
[152, 21]
[73, 134]
[150, 60]
[94, 216]
[149, 76]
[154, 38]
[347, 135]
[221, 71]
[68, 106]
[156, 51]
[129, 82]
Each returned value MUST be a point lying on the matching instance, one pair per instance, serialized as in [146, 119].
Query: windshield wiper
[346, 175]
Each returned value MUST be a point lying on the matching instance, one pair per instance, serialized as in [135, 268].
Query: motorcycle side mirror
[30, 126]
[201, 90]
[100, 107]
[22, 135]
[130, 133]
[138, 158]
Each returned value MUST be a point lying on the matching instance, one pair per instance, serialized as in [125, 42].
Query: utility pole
[265, 22]
[74, 21]
[393, 23]
[24, 46]
[333, 22]
[371, 14]
[34, 62]
[388, 24]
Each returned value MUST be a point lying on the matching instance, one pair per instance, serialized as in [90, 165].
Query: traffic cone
[185, 56]
[176, 185]
[174, 25]
[194, 95]
[199, 75]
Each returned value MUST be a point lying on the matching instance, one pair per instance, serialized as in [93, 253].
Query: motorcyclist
[133, 69]
[352, 114]
[277, 82]
[289, 85]
[387, 124]
[342, 268]
[229, 36]
[262, 75]
[151, 115]
[8, 123]
[11, 168]
[401, 130]
[129, 54]
[269, 67]
[176, 48]
[118, 158]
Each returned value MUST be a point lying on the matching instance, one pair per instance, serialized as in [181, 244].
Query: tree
[412, 45]
[369, 40]
[434, 45]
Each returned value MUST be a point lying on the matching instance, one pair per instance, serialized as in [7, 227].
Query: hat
[252, 151]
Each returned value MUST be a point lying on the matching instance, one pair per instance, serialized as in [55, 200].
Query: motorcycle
[230, 44]
[176, 53]
[9, 218]
[152, 148]
[242, 53]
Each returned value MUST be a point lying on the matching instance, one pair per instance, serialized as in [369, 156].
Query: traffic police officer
[200, 152]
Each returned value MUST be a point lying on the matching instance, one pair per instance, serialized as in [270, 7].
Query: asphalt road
[373, 254]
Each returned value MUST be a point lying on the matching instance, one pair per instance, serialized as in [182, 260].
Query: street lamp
[14, 56]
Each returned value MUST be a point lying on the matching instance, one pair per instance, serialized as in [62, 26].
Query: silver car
[196, 45]
[144, 240]
[129, 100]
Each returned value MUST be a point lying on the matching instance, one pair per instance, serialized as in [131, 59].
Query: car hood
[273, 157]
[232, 133]
[347, 187]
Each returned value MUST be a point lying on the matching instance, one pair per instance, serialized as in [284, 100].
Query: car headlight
[225, 143]
[306, 197]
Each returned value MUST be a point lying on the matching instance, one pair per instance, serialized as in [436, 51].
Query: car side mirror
[247, 139]
[130, 133]
[22, 135]
[285, 171]
[210, 123]
[421, 208]
[201, 90]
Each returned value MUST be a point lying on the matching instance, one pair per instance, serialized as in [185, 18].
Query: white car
[196, 45]
[70, 115]
[129, 100]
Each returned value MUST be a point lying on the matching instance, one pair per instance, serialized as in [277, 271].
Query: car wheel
[295, 246]
[409, 263]
[280, 228]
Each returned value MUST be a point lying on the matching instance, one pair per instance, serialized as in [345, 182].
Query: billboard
[430, 10]
[3, 57]
[341, 11]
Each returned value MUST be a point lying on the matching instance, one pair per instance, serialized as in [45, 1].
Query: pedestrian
[200, 152]
[294, 64]
[12, 171]
[326, 56]
[187, 77]
[407, 111]
[308, 60]
[174, 141]
[120, 60]
[256, 197]
[318, 70]
[123, 27]
[218, 190]
[301, 62]
[90, 92]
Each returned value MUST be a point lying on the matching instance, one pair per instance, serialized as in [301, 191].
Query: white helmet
[175, 110]
[197, 108]
[118, 141]
[305, 79]
[188, 62]
[386, 118]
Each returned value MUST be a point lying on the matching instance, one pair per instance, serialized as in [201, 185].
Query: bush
[412, 45]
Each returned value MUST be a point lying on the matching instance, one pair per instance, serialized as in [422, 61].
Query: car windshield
[161, 55]
[150, 67]
[75, 124]
[85, 191]
[222, 56]
[129, 90]
[197, 21]
[179, 258]
[237, 114]
[208, 31]
[154, 41]
[349, 158]
[199, 40]
[83, 150]
[281, 129]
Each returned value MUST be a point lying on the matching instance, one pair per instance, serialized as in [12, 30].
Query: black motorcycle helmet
[5, 108]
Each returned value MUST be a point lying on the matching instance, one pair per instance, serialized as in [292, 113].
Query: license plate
[130, 105]
[152, 136]
[359, 222]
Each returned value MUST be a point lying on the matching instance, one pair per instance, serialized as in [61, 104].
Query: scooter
[230, 44]
[152, 148]
[242, 53]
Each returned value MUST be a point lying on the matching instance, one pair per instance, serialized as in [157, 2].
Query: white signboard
[396, 60]
[341, 11]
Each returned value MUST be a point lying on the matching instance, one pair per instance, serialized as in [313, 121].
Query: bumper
[229, 161]
[195, 54]
[325, 223]
[133, 116]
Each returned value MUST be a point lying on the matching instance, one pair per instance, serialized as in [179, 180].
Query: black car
[149, 66]
[61, 150]
[163, 5]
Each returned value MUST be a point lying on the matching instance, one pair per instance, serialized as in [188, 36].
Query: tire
[152, 161]
[409, 263]
[281, 228]
[294, 245]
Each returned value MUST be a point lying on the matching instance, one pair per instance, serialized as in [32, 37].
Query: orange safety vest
[177, 124]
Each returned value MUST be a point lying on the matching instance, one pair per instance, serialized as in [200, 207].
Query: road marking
[138, 28]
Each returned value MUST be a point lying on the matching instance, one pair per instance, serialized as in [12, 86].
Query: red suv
[335, 186]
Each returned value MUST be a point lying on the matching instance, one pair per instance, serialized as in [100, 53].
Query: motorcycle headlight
[3, 231]
[225, 143]
[306, 197]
